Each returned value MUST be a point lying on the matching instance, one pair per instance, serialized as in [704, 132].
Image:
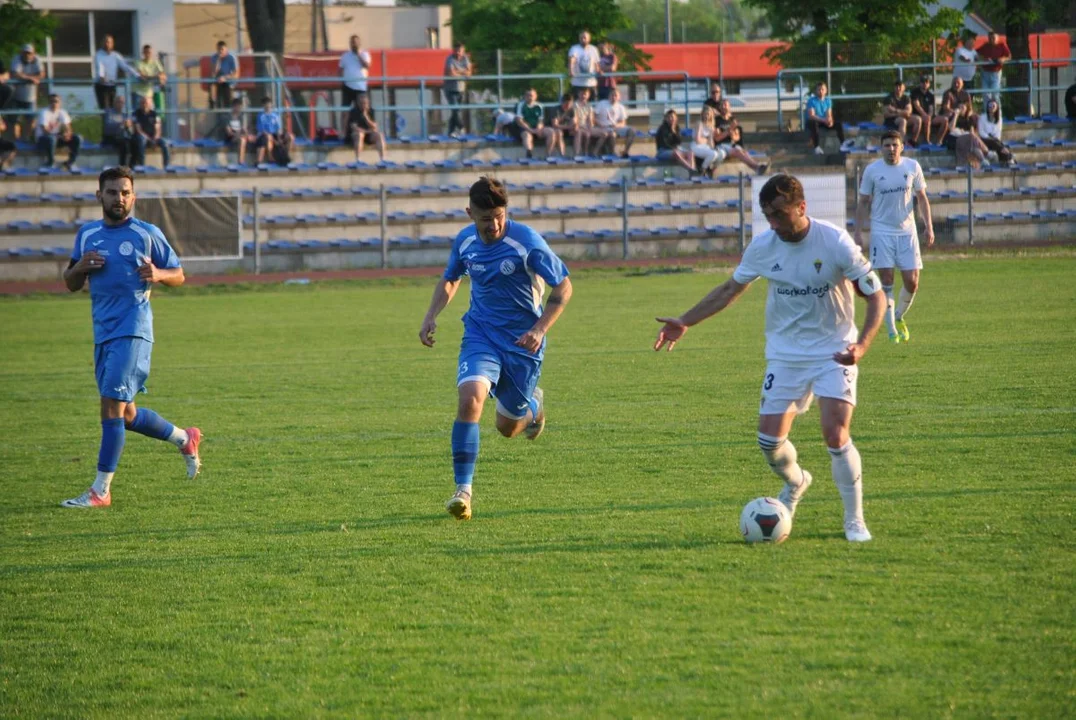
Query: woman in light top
[990, 132]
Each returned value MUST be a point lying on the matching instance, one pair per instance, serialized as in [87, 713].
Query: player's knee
[836, 436]
[911, 283]
[469, 408]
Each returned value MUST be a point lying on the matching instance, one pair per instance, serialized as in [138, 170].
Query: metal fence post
[780, 123]
[971, 210]
[624, 214]
[382, 209]
[500, 78]
[934, 62]
[422, 108]
[257, 233]
[829, 65]
[743, 228]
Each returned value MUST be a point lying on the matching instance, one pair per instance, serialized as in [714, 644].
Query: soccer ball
[765, 520]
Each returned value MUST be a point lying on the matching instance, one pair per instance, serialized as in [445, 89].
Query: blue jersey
[268, 122]
[508, 279]
[119, 298]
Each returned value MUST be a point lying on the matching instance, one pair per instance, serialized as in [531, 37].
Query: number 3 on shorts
[769, 382]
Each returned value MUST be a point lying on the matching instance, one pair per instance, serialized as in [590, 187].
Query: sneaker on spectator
[847, 145]
[762, 168]
[818, 150]
[992, 156]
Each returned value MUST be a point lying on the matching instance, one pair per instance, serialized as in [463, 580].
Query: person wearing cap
[29, 71]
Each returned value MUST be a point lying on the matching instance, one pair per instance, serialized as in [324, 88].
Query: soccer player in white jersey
[812, 347]
[504, 329]
[122, 257]
[887, 188]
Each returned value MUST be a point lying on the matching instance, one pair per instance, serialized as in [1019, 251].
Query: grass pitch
[311, 569]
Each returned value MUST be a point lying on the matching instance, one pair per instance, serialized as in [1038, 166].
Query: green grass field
[311, 569]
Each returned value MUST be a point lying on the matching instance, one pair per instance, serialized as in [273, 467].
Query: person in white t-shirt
[964, 59]
[812, 346]
[355, 67]
[886, 189]
[52, 129]
[584, 61]
[611, 122]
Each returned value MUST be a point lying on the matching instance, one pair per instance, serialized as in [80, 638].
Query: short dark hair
[457, 45]
[566, 97]
[892, 134]
[115, 173]
[488, 194]
[266, 99]
[898, 81]
[53, 96]
[237, 101]
[221, 43]
[784, 186]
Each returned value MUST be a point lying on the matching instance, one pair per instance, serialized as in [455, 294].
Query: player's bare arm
[863, 210]
[876, 306]
[717, 300]
[554, 306]
[76, 273]
[924, 212]
[171, 277]
[442, 296]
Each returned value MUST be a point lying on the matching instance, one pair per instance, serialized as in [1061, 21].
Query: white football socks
[781, 455]
[178, 437]
[103, 482]
[889, 321]
[464, 488]
[848, 476]
[904, 303]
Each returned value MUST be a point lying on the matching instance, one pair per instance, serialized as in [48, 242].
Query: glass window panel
[72, 35]
[72, 71]
[120, 25]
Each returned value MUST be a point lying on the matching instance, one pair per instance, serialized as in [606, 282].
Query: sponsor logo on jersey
[508, 267]
[817, 266]
[126, 248]
[804, 291]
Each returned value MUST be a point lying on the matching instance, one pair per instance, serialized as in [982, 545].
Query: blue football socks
[112, 439]
[150, 424]
[533, 405]
[464, 451]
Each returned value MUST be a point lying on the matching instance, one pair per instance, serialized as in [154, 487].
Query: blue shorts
[122, 366]
[512, 376]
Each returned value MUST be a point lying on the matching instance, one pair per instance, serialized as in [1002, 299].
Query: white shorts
[900, 250]
[788, 387]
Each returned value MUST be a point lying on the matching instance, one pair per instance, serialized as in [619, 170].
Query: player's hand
[148, 271]
[670, 333]
[91, 261]
[929, 235]
[850, 355]
[531, 340]
[429, 327]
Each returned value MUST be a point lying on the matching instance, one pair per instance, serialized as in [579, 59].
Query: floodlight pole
[668, 22]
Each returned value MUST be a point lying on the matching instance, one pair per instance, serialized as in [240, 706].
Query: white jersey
[810, 309]
[891, 188]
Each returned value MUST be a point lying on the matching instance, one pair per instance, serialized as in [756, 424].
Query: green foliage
[1039, 14]
[22, 24]
[693, 21]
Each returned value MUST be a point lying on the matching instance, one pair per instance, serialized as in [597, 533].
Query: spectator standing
[607, 63]
[147, 128]
[53, 129]
[965, 59]
[923, 106]
[668, 142]
[820, 117]
[236, 133]
[6, 91]
[530, 122]
[116, 130]
[225, 73]
[995, 53]
[898, 115]
[151, 76]
[610, 122]
[457, 66]
[361, 128]
[355, 66]
[583, 62]
[1070, 103]
[107, 64]
[990, 133]
[272, 137]
[7, 148]
[28, 70]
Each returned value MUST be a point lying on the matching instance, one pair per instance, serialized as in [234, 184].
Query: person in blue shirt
[820, 117]
[122, 257]
[225, 73]
[504, 329]
[271, 134]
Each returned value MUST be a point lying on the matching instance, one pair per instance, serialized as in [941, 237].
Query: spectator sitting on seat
[726, 138]
[965, 59]
[7, 148]
[361, 127]
[147, 128]
[898, 115]
[820, 117]
[116, 130]
[715, 97]
[610, 122]
[225, 72]
[457, 67]
[236, 134]
[570, 124]
[995, 53]
[923, 106]
[107, 64]
[530, 123]
[272, 137]
[964, 141]
[1070, 103]
[668, 143]
[152, 76]
[702, 143]
[583, 62]
[504, 123]
[52, 129]
[990, 132]
[957, 107]
[607, 63]
[28, 70]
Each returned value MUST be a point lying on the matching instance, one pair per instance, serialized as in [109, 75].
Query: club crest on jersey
[126, 248]
[817, 266]
[508, 267]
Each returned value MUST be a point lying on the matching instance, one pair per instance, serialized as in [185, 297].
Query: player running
[122, 257]
[504, 329]
[812, 347]
[887, 188]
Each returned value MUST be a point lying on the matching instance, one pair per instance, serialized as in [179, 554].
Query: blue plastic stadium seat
[313, 244]
[248, 247]
[338, 217]
[281, 245]
[20, 225]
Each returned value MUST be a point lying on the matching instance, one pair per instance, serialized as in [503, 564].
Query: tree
[693, 21]
[22, 24]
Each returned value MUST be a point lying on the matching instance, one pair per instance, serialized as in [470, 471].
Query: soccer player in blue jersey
[504, 329]
[122, 257]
